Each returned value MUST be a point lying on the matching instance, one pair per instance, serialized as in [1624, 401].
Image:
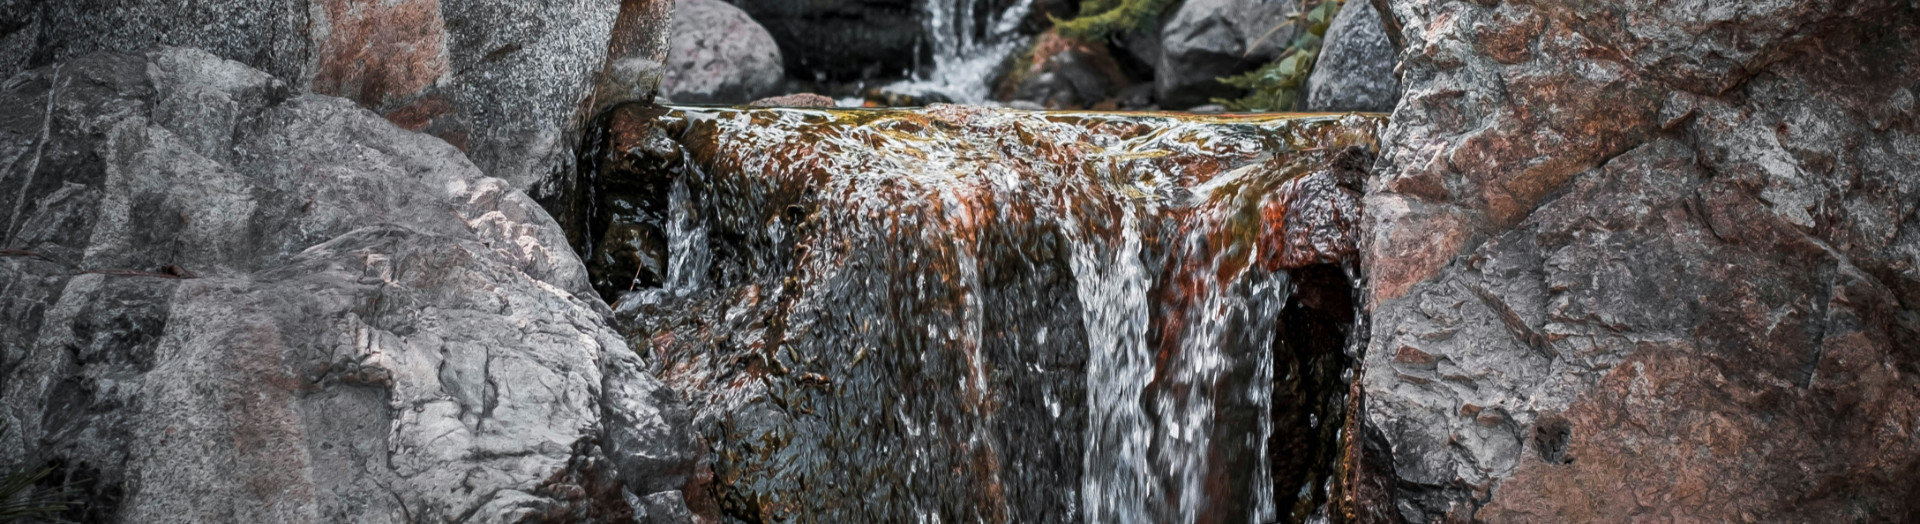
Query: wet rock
[1065, 73]
[232, 302]
[719, 56]
[1630, 261]
[950, 325]
[843, 40]
[1355, 69]
[794, 100]
[506, 81]
[1203, 40]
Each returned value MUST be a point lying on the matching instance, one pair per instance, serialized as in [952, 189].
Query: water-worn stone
[1203, 40]
[230, 302]
[1064, 73]
[1355, 69]
[1644, 260]
[507, 81]
[719, 56]
[956, 312]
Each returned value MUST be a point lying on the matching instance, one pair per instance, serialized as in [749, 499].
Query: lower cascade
[959, 313]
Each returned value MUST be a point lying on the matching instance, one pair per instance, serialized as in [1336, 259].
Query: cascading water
[966, 52]
[959, 314]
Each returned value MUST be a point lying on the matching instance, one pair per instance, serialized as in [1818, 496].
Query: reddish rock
[1670, 251]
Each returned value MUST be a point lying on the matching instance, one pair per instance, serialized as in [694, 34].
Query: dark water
[960, 314]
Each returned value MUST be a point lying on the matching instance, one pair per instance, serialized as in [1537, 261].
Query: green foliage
[16, 504]
[1100, 19]
[1280, 85]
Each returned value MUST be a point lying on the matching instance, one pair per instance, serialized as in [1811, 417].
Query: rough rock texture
[1065, 73]
[985, 315]
[505, 80]
[1650, 261]
[1203, 40]
[225, 301]
[843, 40]
[1355, 69]
[719, 56]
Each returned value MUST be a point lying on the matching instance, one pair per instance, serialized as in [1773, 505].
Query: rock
[794, 100]
[719, 56]
[975, 300]
[232, 302]
[1355, 69]
[506, 81]
[1203, 40]
[1632, 262]
[843, 40]
[1064, 73]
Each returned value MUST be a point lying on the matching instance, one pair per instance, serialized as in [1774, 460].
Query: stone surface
[1065, 73]
[226, 301]
[1649, 261]
[844, 40]
[719, 56]
[957, 312]
[1203, 40]
[506, 81]
[1355, 69]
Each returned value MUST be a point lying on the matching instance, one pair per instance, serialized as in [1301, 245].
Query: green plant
[1100, 19]
[16, 504]
[1279, 86]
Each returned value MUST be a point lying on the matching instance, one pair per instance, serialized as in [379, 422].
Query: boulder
[228, 301]
[1632, 260]
[1355, 69]
[844, 40]
[1204, 40]
[719, 56]
[506, 81]
[1064, 73]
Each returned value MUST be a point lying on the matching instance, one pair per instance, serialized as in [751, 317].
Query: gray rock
[504, 80]
[1627, 260]
[666, 507]
[719, 55]
[1355, 69]
[228, 302]
[1207, 39]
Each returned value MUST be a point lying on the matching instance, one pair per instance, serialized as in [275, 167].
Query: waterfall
[1112, 285]
[965, 56]
[900, 315]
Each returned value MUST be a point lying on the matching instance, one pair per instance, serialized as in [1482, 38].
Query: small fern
[1279, 86]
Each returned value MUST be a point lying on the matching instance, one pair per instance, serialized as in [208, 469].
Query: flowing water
[960, 314]
[970, 42]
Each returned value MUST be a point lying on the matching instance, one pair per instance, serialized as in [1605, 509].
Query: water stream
[961, 314]
[970, 41]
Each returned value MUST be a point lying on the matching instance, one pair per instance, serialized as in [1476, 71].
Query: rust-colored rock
[1631, 261]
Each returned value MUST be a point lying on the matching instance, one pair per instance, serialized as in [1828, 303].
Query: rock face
[843, 40]
[992, 315]
[719, 56]
[507, 81]
[1638, 260]
[1065, 73]
[230, 302]
[1203, 40]
[1355, 68]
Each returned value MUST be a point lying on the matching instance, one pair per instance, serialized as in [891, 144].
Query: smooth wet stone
[969, 312]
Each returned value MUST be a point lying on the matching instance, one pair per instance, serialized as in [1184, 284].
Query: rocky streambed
[1602, 262]
[991, 314]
